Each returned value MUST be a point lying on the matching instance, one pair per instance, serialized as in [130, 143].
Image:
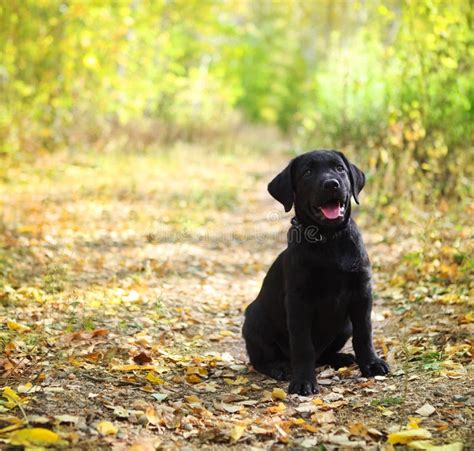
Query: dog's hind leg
[269, 360]
[331, 355]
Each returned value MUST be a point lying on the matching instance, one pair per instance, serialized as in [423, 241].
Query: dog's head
[320, 184]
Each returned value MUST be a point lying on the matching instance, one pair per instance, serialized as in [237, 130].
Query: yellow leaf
[280, 407]
[309, 427]
[33, 437]
[12, 325]
[12, 398]
[408, 436]
[15, 423]
[193, 379]
[469, 317]
[298, 421]
[414, 422]
[278, 393]
[200, 371]
[237, 432]
[240, 380]
[424, 444]
[193, 399]
[154, 379]
[107, 428]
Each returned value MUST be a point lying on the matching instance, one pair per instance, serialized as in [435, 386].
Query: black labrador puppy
[317, 294]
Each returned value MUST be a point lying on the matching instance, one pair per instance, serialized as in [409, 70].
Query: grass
[388, 401]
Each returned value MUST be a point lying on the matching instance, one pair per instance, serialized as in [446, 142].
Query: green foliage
[392, 79]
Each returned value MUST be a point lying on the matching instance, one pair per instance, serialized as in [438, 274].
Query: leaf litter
[139, 346]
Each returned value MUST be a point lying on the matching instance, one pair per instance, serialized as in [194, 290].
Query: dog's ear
[281, 187]
[356, 176]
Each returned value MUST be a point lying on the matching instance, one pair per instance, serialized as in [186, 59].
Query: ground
[123, 281]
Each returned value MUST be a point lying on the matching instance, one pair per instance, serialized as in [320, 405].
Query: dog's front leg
[303, 356]
[361, 307]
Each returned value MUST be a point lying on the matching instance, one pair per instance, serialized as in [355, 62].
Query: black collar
[312, 233]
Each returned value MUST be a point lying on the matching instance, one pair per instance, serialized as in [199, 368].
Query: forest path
[124, 281]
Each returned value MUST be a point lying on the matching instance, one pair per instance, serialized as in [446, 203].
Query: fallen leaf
[159, 396]
[280, 407]
[278, 393]
[142, 358]
[151, 377]
[152, 416]
[106, 428]
[414, 422]
[25, 388]
[193, 379]
[230, 408]
[309, 443]
[408, 436]
[12, 398]
[324, 417]
[236, 432]
[198, 370]
[344, 441]
[33, 437]
[426, 410]
[99, 333]
[12, 325]
[192, 399]
[16, 423]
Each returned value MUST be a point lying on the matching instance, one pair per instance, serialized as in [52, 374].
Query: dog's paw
[303, 387]
[280, 371]
[376, 367]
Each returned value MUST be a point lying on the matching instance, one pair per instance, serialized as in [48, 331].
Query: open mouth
[333, 209]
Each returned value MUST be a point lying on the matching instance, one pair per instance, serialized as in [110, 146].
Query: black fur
[317, 294]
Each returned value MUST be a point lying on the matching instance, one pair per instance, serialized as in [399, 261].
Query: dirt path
[122, 304]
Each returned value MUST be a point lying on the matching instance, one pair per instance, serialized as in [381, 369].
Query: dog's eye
[307, 173]
[340, 168]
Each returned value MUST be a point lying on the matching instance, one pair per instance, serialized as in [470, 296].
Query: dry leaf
[12, 398]
[426, 410]
[408, 436]
[193, 379]
[33, 437]
[12, 325]
[237, 432]
[192, 399]
[151, 377]
[107, 428]
[25, 388]
[280, 407]
[142, 358]
[152, 416]
[278, 393]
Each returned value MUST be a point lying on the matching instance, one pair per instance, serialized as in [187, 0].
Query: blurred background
[389, 82]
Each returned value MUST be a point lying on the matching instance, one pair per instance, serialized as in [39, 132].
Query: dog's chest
[331, 295]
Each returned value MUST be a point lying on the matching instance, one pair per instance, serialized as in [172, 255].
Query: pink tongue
[331, 210]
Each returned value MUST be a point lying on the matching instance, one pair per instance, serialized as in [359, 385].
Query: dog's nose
[331, 184]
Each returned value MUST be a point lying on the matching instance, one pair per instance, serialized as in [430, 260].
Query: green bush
[391, 82]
